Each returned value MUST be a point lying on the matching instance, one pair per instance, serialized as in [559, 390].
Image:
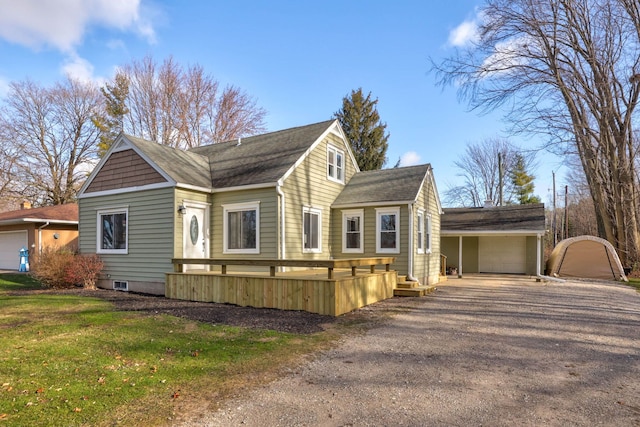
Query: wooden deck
[338, 291]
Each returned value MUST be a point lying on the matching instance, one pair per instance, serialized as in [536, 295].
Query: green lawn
[74, 361]
[634, 282]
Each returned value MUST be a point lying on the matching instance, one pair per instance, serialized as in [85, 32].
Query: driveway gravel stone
[479, 351]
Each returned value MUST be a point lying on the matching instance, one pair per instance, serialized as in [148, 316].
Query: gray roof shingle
[184, 167]
[498, 218]
[385, 185]
[259, 159]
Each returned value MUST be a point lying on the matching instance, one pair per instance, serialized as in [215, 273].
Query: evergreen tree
[523, 182]
[361, 123]
[111, 122]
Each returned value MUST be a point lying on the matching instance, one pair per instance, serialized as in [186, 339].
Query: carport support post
[538, 249]
[460, 256]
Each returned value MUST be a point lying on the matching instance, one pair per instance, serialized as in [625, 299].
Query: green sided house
[295, 194]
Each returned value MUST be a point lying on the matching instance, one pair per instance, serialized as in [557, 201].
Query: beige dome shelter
[587, 257]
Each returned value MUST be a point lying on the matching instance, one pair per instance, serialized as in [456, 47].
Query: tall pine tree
[523, 182]
[111, 122]
[361, 123]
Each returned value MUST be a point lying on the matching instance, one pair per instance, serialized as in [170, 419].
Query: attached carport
[500, 239]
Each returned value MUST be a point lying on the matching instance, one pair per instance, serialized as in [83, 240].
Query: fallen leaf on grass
[40, 390]
[176, 395]
[77, 410]
[3, 416]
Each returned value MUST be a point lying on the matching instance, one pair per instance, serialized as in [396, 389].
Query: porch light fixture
[182, 210]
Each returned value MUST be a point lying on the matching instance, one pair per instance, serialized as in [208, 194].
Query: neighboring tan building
[36, 229]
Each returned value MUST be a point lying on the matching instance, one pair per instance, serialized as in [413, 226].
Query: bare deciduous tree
[480, 170]
[51, 133]
[181, 107]
[571, 70]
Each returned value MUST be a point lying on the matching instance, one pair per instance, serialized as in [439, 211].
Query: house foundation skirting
[301, 291]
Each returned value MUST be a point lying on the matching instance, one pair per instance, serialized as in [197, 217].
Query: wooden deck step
[418, 291]
[407, 284]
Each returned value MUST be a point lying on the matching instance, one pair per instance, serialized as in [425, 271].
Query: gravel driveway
[479, 351]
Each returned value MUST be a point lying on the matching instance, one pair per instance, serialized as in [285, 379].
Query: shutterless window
[241, 228]
[420, 232]
[352, 235]
[112, 231]
[388, 230]
[429, 234]
[312, 226]
[335, 164]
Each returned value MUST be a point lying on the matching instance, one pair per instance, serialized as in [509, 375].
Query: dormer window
[335, 164]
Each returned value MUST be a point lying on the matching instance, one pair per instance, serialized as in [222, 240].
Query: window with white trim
[112, 231]
[420, 232]
[428, 236]
[311, 230]
[335, 164]
[388, 230]
[352, 225]
[241, 225]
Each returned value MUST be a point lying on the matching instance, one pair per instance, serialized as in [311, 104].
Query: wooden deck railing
[443, 265]
[329, 264]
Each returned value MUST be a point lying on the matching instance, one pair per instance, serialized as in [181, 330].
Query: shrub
[84, 269]
[51, 266]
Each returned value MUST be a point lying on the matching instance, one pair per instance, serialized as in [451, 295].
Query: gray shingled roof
[58, 213]
[497, 218]
[259, 159]
[182, 166]
[385, 185]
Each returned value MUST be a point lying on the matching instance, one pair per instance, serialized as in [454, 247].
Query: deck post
[372, 269]
[353, 271]
[224, 269]
[387, 267]
[272, 271]
[330, 273]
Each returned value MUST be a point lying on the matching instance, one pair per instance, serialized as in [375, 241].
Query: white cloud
[79, 69]
[464, 34]
[410, 158]
[62, 24]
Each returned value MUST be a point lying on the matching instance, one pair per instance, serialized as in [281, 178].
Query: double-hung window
[241, 224]
[112, 231]
[420, 232]
[388, 230]
[352, 224]
[311, 230]
[428, 236]
[335, 164]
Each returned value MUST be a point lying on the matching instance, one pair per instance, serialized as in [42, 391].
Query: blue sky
[298, 59]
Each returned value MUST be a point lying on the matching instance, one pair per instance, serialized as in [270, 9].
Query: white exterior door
[195, 233]
[502, 254]
[10, 244]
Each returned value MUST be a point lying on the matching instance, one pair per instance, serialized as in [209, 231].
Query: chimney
[25, 205]
[488, 203]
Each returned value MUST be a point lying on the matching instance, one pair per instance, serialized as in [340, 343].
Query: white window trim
[388, 211]
[314, 211]
[345, 215]
[225, 231]
[124, 285]
[99, 249]
[420, 229]
[428, 235]
[336, 151]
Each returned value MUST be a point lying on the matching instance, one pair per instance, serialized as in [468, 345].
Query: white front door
[195, 235]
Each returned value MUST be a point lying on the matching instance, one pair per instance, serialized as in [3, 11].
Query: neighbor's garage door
[502, 254]
[10, 244]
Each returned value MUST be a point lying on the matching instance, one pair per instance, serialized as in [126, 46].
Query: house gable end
[124, 169]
